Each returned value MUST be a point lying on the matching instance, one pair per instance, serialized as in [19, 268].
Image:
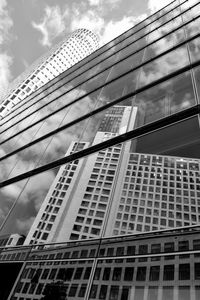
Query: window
[97, 273]
[184, 271]
[25, 288]
[128, 274]
[155, 248]
[120, 251]
[168, 272]
[84, 253]
[103, 292]
[154, 273]
[73, 289]
[169, 247]
[52, 274]
[18, 287]
[114, 291]
[110, 251]
[143, 249]
[69, 273]
[130, 250]
[106, 273]
[183, 245]
[39, 289]
[75, 254]
[31, 273]
[125, 293]
[25, 272]
[141, 274]
[117, 274]
[45, 274]
[87, 273]
[92, 252]
[93, 291]
[82, 290]
[197, 271]
[196, 244]
[61, 274]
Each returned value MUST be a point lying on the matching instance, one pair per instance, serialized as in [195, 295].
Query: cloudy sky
[28, 28]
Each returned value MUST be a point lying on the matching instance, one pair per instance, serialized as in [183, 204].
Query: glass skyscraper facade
[147, 244]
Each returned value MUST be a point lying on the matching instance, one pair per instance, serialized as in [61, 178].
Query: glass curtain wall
[119, 133]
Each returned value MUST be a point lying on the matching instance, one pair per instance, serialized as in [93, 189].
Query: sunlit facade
[73, 209]
[152, 68]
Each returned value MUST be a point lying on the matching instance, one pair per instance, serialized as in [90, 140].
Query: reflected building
[78, 201]
[11, 240]
[62, 56]
[116, 191]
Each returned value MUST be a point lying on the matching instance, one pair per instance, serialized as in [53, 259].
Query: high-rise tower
[73, 209]
[62, 56]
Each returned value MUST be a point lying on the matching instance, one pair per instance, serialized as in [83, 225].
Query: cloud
[5, 22]
[5, 59]
[107, 31]
[56, 20]
[34, 191]
[90, 20]
[5, 72]
[52, 25]
[155, 5]
[115, 28]
[11, 191]
[112, 3]
[94, 2]
[25, 224]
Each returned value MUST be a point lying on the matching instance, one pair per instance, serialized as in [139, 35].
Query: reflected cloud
[25, 224]
[34, 192]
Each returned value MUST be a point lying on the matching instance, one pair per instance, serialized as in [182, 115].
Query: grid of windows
[158, 192]
[93, 208]
[55, 200]
[121, 271]
[112, 120]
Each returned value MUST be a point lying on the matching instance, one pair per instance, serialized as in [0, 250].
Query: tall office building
[73, 209]
[62, 56]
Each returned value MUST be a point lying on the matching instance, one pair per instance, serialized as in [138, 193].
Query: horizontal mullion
[167, 121]
[101, 108]
[107, 68]
[89, 61]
